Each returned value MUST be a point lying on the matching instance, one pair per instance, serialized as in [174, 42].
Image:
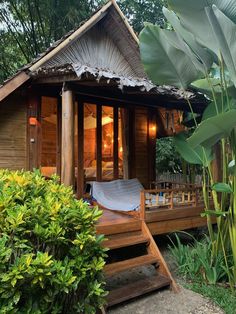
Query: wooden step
[137, 288]
[116, 227]
[117, 267]
[116, 243]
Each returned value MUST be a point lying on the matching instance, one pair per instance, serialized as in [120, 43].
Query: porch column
[67, 137]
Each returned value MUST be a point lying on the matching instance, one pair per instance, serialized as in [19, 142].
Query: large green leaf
[212, 111]
[225, 36]
[211, 130]
[205, 86]
[216, 213]
[222, 187]
[197, 156]
[200, 56]
[193, 17]
[164, 58]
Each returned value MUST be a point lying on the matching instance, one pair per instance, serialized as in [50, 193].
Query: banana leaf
[196, 156]
[193, 17]
[205, 86]
[200, 56]
[211, 130]
[225, 36]
[164, 58]
[212, 111]
[222, 187]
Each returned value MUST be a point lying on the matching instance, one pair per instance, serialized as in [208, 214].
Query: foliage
[28, 28]
[140, 11]
[195, 261]
[191, 259]
[188, 53]
[8, 59]
[51, 260]
[167, 158]
[195, 155]
[172, 59]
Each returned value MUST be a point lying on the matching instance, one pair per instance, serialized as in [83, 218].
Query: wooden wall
[141, 145]
[13, 124]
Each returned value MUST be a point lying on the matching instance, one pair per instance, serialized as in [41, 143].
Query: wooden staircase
[132, 249]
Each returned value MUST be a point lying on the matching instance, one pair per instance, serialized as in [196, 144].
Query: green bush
[196, 262]
[51, 260]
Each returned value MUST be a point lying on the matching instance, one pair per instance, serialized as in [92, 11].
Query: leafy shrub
[51, 260]
[195, 261]
[167, 157]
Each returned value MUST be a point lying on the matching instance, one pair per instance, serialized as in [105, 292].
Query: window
[103, 144]
[49, 136]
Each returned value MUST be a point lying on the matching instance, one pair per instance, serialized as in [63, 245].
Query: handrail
[171, 190]
[173, 183]
[170, 198]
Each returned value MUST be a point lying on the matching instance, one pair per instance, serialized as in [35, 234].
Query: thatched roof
[104, 47]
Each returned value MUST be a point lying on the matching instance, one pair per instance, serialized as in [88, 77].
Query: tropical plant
[51, 259]
[195, 261]
[200, 53]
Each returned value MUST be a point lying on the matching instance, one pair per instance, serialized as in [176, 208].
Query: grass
[221, 296]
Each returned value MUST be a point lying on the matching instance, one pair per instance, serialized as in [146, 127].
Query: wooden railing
[169, 185]
[170, 198]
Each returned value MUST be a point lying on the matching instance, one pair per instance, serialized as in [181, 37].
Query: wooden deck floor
[159, 221]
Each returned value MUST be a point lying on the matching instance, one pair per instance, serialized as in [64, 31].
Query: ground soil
[166, 302]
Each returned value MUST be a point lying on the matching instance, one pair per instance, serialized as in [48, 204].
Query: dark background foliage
[28, 27]
[167, 158]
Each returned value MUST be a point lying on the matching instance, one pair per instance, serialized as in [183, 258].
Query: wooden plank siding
[13, 130]
[141, 145]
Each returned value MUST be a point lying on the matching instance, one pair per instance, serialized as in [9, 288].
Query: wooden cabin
[86, 111]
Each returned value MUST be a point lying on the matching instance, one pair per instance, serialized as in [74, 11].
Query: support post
[67, 144]
[115, 143]
[99, 144]
[80, 162]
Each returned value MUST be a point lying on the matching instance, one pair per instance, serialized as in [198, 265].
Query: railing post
[142, 205]
[196, 197]
[171, 199]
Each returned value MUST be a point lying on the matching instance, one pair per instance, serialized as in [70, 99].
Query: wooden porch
[159, 221]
